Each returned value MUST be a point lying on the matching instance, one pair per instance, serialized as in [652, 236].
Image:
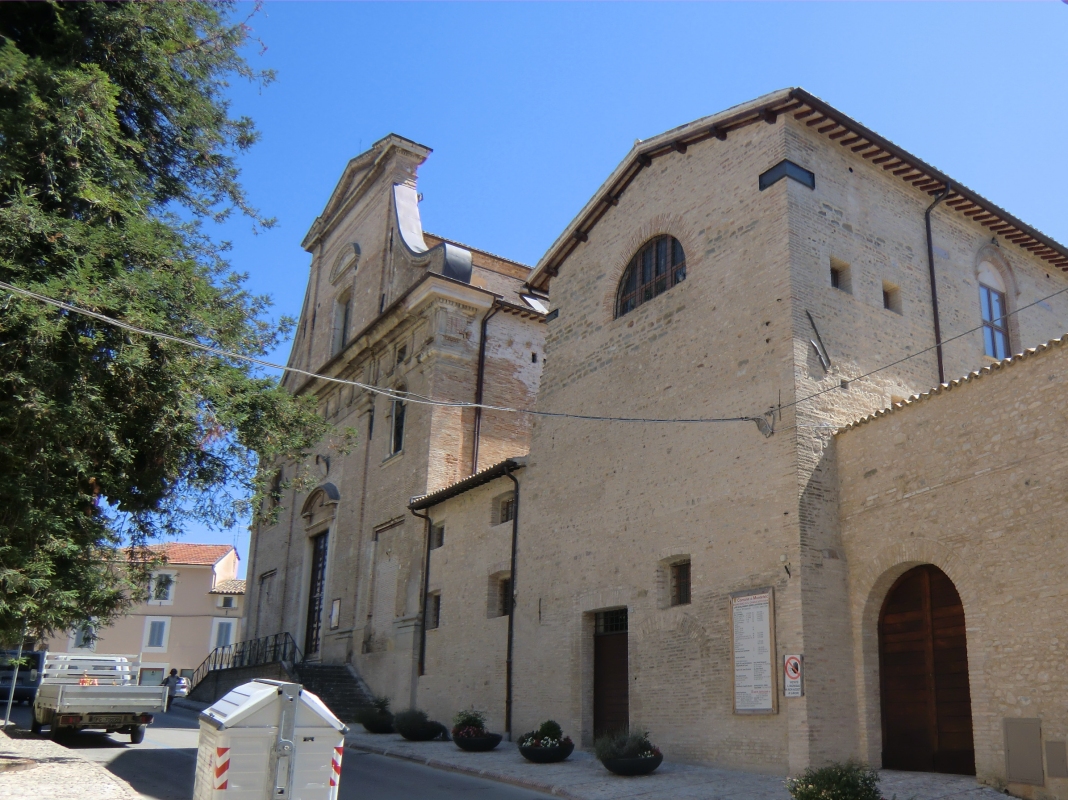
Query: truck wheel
[137, 735]
[57, 731]
[35, 726]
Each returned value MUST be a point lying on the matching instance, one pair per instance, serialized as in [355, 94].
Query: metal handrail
[251, 653]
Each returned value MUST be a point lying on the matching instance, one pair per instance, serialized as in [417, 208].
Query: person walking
[171, 682]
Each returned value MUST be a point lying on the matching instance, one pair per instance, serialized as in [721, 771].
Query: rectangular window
[507, 509]
[162, 585]
[83, 638]
[335, 613]
[437, 536]
[995, 325]
[504, 597]
[228, 602]
[840, 276]
[433, 611]
[396, 443]
[224, 633]
[891, 298]
[680, 584]
[156, 631]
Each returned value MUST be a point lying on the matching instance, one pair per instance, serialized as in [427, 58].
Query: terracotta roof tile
[232, 586]
[197, 554]
[969, 378]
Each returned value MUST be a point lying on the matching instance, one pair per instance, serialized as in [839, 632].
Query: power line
[406, 397]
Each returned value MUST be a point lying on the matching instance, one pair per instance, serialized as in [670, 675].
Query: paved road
[163, 766]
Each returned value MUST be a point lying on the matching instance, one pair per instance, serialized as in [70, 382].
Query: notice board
[753, 651]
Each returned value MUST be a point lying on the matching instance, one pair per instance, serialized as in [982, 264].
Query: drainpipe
[422, 597]
[934, 287]
[479, 381]
[511, 613]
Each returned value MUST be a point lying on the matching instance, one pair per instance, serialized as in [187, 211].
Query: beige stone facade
[196, 603]
[757, 336]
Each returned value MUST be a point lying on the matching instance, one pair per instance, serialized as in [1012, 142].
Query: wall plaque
[753, 652]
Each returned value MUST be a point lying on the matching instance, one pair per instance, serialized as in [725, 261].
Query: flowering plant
[548, 735]
[625, 745]
[469, 725]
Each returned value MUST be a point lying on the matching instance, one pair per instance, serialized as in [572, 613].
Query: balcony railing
[266, 650]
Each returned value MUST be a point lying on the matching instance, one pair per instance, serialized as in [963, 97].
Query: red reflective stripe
[221, 751]
[221, 769]
[220, 788]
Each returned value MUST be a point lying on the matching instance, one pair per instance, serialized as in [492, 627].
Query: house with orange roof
[195, 604]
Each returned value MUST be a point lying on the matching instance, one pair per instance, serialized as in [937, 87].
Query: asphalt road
[163, 766]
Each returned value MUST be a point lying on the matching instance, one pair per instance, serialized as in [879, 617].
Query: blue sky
[528, 107]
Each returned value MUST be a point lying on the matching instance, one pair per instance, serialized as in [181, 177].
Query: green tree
[116, 142]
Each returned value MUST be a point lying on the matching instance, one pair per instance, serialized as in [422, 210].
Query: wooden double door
[923, 659]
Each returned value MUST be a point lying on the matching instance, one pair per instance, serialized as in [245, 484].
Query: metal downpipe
[934, 286]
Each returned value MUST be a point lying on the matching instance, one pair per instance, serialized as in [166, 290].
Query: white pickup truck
[95, 691]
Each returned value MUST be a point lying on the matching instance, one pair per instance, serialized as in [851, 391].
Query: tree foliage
[116, 142]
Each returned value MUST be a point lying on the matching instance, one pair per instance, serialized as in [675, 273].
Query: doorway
[316, 588]
[923, 660]
[611, 688]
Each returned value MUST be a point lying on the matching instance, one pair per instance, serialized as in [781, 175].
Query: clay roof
[481, 477]
[232, 586]
[825, 120]
[195, 554]
[996, 366]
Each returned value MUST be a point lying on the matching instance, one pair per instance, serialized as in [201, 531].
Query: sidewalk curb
[474, 772]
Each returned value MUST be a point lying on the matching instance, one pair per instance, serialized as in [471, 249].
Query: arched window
[993, 309]
[657, 266]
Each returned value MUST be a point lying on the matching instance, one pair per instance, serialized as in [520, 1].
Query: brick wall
[971, 480]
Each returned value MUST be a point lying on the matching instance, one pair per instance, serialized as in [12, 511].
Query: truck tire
[57, 730]
[137, 735]
[35, 726]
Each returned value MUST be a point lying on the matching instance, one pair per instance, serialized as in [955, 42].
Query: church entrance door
[923, 659]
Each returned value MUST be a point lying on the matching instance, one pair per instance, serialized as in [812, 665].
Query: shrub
[469, 724]
[549, 734]
[376, 718]
[416, 726]
[625, 745]
[849, 781]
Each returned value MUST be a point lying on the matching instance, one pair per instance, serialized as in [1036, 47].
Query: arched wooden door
[923, 659]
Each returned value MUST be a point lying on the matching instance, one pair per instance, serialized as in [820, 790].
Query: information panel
[754, 652]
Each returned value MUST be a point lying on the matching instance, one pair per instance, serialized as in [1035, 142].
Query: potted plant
[628, 753]
[546, 745]
[469, 732]
[415, 726]
[853, 780]
[376, 718]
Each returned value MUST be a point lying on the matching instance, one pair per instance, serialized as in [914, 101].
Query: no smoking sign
[793, 671]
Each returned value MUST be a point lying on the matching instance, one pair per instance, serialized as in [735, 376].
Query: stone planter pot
[378, 725]
[633, 766]
[478, 744]
[547, 755]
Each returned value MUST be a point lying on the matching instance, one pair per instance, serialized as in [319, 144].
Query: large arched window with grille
[658, 265]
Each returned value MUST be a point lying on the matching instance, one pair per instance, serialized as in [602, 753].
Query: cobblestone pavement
[60, 774]
[581, 777]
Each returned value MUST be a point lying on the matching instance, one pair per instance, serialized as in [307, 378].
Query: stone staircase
[339, 686]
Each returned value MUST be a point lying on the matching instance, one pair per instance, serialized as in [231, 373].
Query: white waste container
[269, 740]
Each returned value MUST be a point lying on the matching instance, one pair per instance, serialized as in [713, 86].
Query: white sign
[793, 676]
[754, 667]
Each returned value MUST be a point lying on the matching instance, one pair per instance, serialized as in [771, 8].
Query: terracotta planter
[633, 766]
[547, 755]
[478, 744]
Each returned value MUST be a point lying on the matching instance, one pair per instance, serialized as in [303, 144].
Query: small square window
[433, 611]
[891, 298]
[680, 584]
[162, 586]
[840, 276]
[437, 536]
[227, 602]
[508, 509]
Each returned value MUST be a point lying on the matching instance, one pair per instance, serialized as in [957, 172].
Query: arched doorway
[923, 660]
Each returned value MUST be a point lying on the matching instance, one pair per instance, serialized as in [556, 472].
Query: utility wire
[406, 397]
[917, 353]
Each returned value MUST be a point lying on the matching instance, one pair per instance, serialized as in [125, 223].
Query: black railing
[266, 650]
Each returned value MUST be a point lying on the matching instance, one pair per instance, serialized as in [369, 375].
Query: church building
[794, 488]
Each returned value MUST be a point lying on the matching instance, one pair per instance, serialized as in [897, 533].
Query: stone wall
[970, 479]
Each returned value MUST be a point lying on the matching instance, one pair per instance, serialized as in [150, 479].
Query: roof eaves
[945, 387]
[484, 476]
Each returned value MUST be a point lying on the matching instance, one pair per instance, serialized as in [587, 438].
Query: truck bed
[120, 699]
